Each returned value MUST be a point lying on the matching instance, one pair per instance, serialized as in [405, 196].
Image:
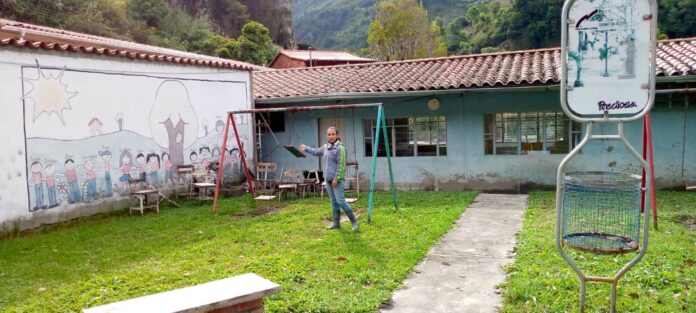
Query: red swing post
[218, 182]
[648, 156]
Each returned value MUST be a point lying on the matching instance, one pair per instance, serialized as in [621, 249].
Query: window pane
[426, 133]
[442, 136]
[531, 133]
[488, 131]
[557, 133]
[367, 136]
[382, 149]
[404, 137]
[576, 133]
[506, 133]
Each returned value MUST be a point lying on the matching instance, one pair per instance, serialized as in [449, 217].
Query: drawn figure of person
[216, 154]
[124, 163]
[167, 165]
[91, 180]
[194, 160]
[37, 180]
[106, 157]
[205, 157]
[74, 195]
[142, 168]
[153, 162]
[51, 185]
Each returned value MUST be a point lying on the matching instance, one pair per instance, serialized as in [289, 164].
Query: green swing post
[391, 173]
[381, 124]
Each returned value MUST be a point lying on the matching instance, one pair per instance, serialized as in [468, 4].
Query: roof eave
[434, 92]
[393, 94]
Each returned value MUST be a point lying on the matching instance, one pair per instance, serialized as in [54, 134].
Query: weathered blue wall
[466, 166]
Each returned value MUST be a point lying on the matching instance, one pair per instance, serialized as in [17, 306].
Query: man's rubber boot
[336, 221]
[353, 221]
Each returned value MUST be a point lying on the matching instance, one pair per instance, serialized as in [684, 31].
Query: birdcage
[601, 212]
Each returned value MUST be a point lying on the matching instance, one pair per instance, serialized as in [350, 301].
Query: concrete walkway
[461, 272]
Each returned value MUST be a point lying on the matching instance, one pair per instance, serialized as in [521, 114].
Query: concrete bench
[238, 294]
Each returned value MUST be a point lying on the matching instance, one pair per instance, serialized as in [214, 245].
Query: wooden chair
[146, 196]
[265, 182]
[314, 182]
[353, 181]
[203, 183]
[184, 180]
[290, 182]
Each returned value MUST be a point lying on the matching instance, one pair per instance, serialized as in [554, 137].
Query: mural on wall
[89, 133]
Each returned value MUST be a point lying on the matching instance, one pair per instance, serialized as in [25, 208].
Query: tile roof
[323, 55]
[675, 57]
[18, 34]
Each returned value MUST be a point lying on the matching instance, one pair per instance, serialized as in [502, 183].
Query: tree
[255, 45]
[676, 18]
[401, 30]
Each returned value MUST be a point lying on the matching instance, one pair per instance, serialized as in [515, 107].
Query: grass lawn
[112, 257]
[663, 281]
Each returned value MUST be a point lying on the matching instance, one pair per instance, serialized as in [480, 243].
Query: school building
[485, 122]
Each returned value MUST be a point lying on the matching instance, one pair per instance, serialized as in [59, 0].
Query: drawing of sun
[49, 95]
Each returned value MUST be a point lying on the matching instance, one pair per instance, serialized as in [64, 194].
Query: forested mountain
[342, 24]
[214, 27]
[468, 26]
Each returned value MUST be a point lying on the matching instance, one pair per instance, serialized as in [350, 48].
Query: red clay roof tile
[18, 34]
[675, 57]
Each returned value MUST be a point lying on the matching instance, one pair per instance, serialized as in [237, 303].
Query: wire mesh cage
[601, 212]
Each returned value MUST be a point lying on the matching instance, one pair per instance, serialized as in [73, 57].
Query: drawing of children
[37, 180]
[91, 180]
[153, 162]
[216, 154]
[194, 159]
[51, 185]
[167, 165]
[205, 157]
[106, 157]
[142, 169]
[124, 163]
[74, 195]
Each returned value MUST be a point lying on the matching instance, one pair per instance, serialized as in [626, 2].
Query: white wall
[46, 114]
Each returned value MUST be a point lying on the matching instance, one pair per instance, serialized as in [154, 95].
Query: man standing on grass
[334, 154]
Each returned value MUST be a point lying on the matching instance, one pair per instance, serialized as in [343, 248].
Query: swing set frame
[381, 127]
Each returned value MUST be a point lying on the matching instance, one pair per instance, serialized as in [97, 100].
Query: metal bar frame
[588, 136]
[380, 119]
[559, 212]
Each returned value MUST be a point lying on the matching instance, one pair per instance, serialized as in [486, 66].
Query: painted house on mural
[82, 114]
[486, 121]
[312, 58]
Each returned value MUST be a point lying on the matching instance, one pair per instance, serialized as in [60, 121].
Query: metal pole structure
[645, 155]
[391, 173]
[308, 108]
[586, 116]
[221, 166]
[243, 156]
[651, 163]
[374, 165]
[380, 120]
[559, 212]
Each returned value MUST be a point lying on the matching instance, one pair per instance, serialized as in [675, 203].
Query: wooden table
[203, 191]
[142, 195]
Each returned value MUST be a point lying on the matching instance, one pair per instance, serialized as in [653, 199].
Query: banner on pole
[608, 57]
